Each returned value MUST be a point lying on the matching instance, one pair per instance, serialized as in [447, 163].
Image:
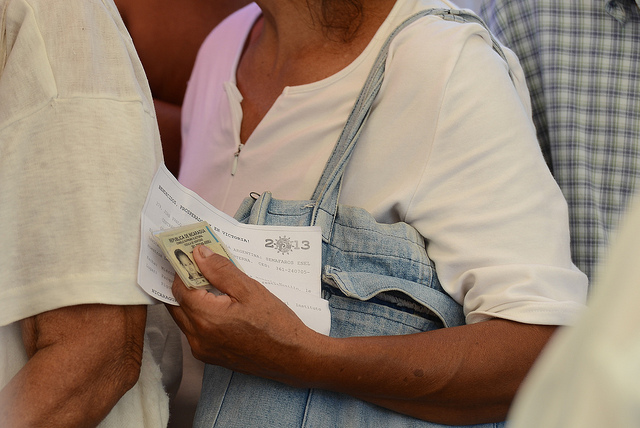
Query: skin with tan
[82, 359]
[459, 375]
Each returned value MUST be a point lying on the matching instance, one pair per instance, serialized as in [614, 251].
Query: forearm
[459, 375]
[82, 360]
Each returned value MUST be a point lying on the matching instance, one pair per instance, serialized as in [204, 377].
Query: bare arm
[82, 359]
[459, 375]
[168, 115]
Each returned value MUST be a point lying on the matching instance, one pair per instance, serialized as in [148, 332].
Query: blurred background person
[167, 35]
[581, 62]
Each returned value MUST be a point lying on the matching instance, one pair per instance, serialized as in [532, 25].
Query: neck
[288, 46]
[294, 28]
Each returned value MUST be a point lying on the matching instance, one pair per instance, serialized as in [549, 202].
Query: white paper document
[286, 260]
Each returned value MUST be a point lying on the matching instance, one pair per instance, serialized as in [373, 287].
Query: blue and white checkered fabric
[582, 62]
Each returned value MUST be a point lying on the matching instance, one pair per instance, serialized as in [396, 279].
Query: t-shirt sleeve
[79, 150]
[494, 218]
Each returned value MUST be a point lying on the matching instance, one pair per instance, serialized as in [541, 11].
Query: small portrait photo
[189, 265]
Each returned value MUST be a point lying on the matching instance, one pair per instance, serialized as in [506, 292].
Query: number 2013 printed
[285, 245]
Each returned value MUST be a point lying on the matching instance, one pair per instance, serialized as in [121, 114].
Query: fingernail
[205, 251]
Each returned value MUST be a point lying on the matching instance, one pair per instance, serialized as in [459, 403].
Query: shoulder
[72, 48]
[71, 31]
[435, 46]
[441, 46]
[72, 15]
[442, 32]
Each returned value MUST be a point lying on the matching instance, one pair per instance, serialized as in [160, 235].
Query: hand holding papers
[286, 260]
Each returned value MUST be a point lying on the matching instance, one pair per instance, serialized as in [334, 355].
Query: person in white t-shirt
[79, 145]
[448, 147]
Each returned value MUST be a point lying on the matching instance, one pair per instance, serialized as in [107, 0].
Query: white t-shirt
[79, 145]
[449, 148]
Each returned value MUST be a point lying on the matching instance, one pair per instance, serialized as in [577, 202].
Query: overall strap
[328, 189]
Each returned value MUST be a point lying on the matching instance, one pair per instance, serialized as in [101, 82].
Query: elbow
[85, 357]
[123, 351]
[129, 365]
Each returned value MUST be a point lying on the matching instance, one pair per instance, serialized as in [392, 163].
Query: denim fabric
[377, 278]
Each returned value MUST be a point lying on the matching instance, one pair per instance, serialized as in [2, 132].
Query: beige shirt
[79, 145]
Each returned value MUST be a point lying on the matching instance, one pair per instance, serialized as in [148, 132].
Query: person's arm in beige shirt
[82, 360]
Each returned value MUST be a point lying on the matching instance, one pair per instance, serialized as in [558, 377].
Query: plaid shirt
[581, 60]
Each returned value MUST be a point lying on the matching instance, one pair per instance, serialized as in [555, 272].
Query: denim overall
[377, 279]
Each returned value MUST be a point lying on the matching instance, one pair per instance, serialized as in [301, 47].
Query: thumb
[219, 270]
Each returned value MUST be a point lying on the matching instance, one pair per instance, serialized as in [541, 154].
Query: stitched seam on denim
[373, 230]
[392, 256]
[280, 214]
[381, 316]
